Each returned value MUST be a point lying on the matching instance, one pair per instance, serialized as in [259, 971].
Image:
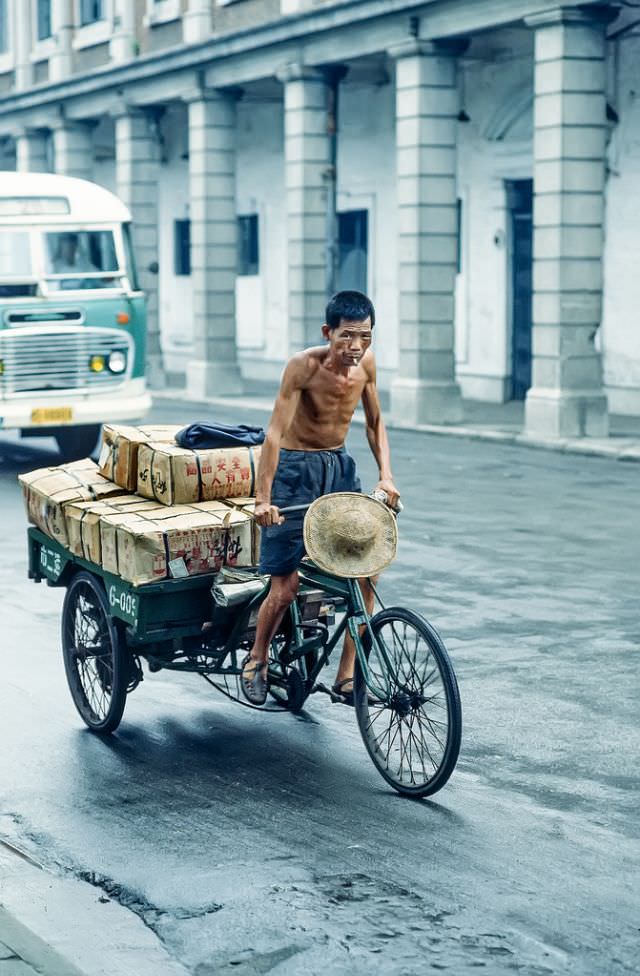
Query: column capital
[588, 15]
[197, 94]
[121, 108]
[295, 71]
[416, 47]
[61, 121]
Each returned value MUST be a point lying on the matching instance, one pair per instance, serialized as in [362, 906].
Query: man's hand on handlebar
[267, 514]
[390, 490]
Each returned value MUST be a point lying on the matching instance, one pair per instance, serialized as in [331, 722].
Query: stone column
[24, 40]
[31, 151]
[122, 46]
[212, 208]
[307, 155]
[197, 23]
[62, 27]
[73, 149]
[137, 186]
[567, 397]
[424, 390]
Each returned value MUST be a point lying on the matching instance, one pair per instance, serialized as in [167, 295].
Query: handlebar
[293, 509]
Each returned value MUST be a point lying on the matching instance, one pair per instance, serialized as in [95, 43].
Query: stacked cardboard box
[85, 522]
[47, 492]
[247, 505]
[155, 534]
[118, 459]
[176, 541]
[178, 476]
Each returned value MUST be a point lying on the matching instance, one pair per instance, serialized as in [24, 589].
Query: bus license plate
[52, 415]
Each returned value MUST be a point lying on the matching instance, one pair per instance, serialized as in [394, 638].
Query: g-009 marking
[125, 601]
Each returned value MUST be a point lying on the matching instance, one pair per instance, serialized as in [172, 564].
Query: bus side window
[130, 257]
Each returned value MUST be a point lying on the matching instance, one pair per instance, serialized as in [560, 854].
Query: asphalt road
[267, 843]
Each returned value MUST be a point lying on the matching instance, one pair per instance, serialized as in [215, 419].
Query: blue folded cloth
[219, 435]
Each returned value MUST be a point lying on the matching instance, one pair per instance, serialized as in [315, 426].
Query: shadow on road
[195, 762]
[17, 455]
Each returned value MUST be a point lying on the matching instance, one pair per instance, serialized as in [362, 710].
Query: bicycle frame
[356, 617]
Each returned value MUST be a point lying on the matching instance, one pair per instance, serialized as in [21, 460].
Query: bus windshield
[15, 255]
[80, 259]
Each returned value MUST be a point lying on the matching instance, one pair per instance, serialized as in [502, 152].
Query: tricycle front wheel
[95, 655]
[413, 734]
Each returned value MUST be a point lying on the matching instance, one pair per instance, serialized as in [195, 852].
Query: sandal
[255, 687]
[346, 697]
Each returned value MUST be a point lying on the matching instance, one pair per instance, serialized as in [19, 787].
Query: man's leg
[254, 674]
[348, 659]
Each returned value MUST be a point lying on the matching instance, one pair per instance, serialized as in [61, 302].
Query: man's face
[350, 340]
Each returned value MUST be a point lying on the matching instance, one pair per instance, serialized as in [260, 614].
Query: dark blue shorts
[301, 477]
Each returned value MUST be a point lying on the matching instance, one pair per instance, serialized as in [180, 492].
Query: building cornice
[437, 19]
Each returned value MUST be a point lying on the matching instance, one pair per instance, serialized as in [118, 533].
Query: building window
[182, 247]
[44, 20]
[4, 27]
[91, 11]
[248, 252]
[352, 250]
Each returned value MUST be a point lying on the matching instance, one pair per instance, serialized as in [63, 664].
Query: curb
[606, 448]
[64, 927]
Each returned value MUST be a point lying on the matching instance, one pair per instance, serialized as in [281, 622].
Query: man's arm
[283, 413]
[377, 435]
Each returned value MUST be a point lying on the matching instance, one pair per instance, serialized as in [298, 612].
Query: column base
[207, 379]
[558, 413]
[423, 402]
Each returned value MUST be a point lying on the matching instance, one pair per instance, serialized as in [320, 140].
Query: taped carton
[118, 459]
[47, 491]
[174, 475]
[83, 522]
[175, 542]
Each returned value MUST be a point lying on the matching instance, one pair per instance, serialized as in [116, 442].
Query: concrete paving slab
[64, 927]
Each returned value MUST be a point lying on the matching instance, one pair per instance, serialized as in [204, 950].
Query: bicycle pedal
[326, 691]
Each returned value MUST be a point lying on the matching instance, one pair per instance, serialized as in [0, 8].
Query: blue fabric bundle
[197, 436]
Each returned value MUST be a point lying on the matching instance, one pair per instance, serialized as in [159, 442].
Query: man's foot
[253, 680]
[344, 690]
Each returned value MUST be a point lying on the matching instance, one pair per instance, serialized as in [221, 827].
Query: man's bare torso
[327, 401]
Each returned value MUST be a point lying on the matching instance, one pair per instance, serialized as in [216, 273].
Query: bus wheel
[75, 443]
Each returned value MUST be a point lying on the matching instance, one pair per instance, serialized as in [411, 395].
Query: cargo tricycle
[405, 692]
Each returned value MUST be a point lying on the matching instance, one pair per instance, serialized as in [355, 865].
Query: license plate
[52, 415]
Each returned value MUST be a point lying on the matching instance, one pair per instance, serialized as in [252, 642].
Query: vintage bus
[72, 316]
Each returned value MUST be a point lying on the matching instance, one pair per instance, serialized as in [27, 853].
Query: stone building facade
[473, 166]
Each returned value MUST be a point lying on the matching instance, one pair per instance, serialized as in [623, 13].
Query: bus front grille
[49, 359]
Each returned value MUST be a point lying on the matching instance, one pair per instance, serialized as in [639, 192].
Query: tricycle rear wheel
[95, 655]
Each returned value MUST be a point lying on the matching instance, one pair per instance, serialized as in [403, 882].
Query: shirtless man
[303, 457]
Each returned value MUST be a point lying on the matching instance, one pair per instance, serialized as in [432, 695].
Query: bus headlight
[97, 364]
[117, 361]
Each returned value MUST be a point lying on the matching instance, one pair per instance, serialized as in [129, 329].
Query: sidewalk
[52, 925]
[501, 422]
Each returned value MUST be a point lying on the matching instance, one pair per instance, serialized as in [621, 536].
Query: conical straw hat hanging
[350, 535]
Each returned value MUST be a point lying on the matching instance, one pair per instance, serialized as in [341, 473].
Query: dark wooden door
[352, 250]
[520, 201]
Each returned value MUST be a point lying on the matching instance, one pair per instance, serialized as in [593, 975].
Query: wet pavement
[269, 844]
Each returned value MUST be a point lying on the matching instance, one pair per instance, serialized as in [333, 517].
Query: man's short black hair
[350, 305]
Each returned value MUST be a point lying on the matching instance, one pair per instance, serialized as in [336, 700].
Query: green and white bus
[72, 316]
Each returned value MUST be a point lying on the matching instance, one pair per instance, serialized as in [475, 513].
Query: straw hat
[350, 535]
